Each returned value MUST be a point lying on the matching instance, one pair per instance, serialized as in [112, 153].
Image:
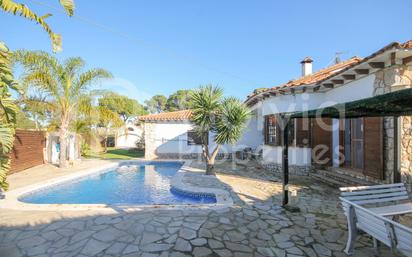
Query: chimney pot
[306, 66]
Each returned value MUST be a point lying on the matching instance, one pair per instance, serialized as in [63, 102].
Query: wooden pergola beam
[337, 81]
[349, 76]
[377, 65]
[407, 60]
[362, 71]
[328, 85]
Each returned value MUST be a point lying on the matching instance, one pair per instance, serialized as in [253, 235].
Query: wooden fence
[27, 150]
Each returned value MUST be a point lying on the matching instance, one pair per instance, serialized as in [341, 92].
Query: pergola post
[396, 150]
[285, 160]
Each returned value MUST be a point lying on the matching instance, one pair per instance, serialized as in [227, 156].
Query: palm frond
[68, 5]
[6, 138]
[205, 103]
[87, 78]
[37, 60]
[233, 117]
[73, 65]
[14, 8]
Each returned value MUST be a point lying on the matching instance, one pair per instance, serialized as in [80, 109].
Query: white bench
[389, 232]
[380, 199]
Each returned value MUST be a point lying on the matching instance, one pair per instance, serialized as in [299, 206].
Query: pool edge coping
[11, 199]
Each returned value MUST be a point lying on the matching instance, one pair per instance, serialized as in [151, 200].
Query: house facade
[377, 149]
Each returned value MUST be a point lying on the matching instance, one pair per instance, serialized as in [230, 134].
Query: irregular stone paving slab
[254, 226]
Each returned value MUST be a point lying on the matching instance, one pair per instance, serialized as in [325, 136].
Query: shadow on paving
[254, 226]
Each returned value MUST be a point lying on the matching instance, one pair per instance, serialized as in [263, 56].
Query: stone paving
[254, 226]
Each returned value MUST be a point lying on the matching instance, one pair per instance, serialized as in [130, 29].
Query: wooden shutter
[373, 147]
[302, 132]
[321, 142]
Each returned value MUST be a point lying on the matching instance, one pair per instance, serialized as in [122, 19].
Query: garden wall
[27, 150]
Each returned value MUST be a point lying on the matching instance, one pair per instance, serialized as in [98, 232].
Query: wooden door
[321, 140]
[373, 147]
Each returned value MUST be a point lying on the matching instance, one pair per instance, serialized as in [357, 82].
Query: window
[193, 138]
[272, 131]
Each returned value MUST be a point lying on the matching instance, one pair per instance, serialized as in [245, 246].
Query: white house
[171, 135]
[373, 148]
[377, 149]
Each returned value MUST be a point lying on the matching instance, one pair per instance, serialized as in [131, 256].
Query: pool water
[148, 184]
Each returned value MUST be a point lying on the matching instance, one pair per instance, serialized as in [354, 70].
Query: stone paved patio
[254, 226]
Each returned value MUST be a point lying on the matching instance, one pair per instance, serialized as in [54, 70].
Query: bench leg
[376, 246]
[352, 231]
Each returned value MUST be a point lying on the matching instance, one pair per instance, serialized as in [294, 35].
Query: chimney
[306, 66]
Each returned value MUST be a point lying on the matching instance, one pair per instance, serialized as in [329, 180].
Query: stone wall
[406, 151]
[393, 78]
[293, 169]
[191, 156]
[388, 149]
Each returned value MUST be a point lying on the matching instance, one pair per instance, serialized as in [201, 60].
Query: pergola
[395, 104]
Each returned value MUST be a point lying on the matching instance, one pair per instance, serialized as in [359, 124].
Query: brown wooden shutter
[321, 142]
[373, 147]
[302, 132]
[279, 134]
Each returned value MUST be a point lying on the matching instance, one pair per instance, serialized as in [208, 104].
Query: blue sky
[157, 47]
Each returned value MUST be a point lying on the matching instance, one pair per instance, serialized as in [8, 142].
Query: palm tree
[7, 107]
[14, 8]
[8, 110]
[224, 117]
[63, 82]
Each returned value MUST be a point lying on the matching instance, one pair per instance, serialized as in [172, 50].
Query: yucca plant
[14, 8]
[64, 83]
[224, 117]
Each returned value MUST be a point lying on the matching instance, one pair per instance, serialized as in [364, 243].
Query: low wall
[27, 150]
[293, 169]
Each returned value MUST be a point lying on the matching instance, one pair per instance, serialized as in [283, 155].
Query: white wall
[253, 134]
[335, 142]
[297, 155]
[171, 137]
[355, 90]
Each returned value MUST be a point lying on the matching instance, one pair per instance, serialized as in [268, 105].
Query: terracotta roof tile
[321, 74]
[330, 71]
[168, 116]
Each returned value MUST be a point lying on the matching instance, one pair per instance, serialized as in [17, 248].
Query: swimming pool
[141, 183]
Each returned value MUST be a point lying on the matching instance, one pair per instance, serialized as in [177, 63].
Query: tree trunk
[105, 144]
[105, 140]
[210, 168]
[63, 144]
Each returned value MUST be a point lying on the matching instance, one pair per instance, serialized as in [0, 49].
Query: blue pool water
[149, 184]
